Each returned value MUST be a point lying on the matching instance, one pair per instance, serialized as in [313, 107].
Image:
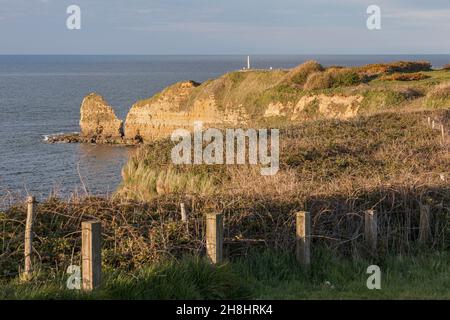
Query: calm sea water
[41, 95]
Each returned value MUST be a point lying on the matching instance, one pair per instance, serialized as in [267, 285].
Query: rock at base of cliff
[98, 120]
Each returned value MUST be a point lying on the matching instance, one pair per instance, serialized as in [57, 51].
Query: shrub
[446, 67]
[318, 80]
[405, 77]
[409, 66]
[299, 74]
[332, 78]
[344, 77]
[374, 70]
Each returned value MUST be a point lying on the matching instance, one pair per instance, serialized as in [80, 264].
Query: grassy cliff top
[383, 86]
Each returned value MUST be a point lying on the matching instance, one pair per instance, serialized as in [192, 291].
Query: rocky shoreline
[77, 138]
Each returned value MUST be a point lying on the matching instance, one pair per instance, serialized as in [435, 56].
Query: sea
[41, 96]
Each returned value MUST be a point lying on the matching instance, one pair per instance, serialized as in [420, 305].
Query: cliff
[178, 106]
[258, 97]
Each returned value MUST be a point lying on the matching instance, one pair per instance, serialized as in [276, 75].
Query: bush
[332, 78]
[344, 77]
[299, 74]
[446, 67]
[318, 80]
[374, 70]
[405, 77]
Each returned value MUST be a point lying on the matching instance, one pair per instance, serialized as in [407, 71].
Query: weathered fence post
[184, 217]
[29, 237]
[429, 121]
[183, 212]
[214, 237]
[443, 133]
[432, 124]
[303, 238]
[424, 223]
[371, 229]
[91, 254]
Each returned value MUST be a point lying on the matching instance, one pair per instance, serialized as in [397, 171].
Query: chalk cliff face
[98, 121]
[316, 105]
[175, 108]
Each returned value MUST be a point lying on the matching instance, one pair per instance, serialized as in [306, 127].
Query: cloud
[179, 26]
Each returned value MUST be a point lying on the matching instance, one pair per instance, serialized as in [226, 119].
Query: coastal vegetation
[390, 155]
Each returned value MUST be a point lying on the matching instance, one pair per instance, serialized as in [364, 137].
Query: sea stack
[98, 121]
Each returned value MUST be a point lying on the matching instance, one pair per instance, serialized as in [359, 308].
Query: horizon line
[221, 54]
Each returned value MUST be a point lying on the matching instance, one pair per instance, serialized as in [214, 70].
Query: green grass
[260, 275]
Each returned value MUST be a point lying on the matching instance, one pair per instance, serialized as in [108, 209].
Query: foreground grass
[263, 275]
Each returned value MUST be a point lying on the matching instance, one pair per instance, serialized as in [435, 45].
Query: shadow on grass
[261, 275]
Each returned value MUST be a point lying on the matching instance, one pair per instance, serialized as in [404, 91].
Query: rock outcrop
[98, 121]
[327, 106]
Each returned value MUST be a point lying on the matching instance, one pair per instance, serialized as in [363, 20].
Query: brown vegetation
[439, 96]
[405, 76]
[374, 70]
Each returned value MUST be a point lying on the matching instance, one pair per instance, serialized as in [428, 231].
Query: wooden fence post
[91, 257]
[371, 229]
[429, 121]
[303, 238]
[214, 237]
[183, 212]
[31, 201]
[443, 133]
[184, 216]
[424, 224]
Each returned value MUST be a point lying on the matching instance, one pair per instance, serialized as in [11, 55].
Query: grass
[260, 275]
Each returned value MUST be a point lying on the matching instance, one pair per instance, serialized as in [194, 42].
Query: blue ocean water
[41, 95]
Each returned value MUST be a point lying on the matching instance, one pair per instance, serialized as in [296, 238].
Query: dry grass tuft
[439, 96]
[299, 74]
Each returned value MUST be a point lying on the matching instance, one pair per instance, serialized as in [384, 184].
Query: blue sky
[224, 27]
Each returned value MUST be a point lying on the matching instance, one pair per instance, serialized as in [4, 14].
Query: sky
[224, 27]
